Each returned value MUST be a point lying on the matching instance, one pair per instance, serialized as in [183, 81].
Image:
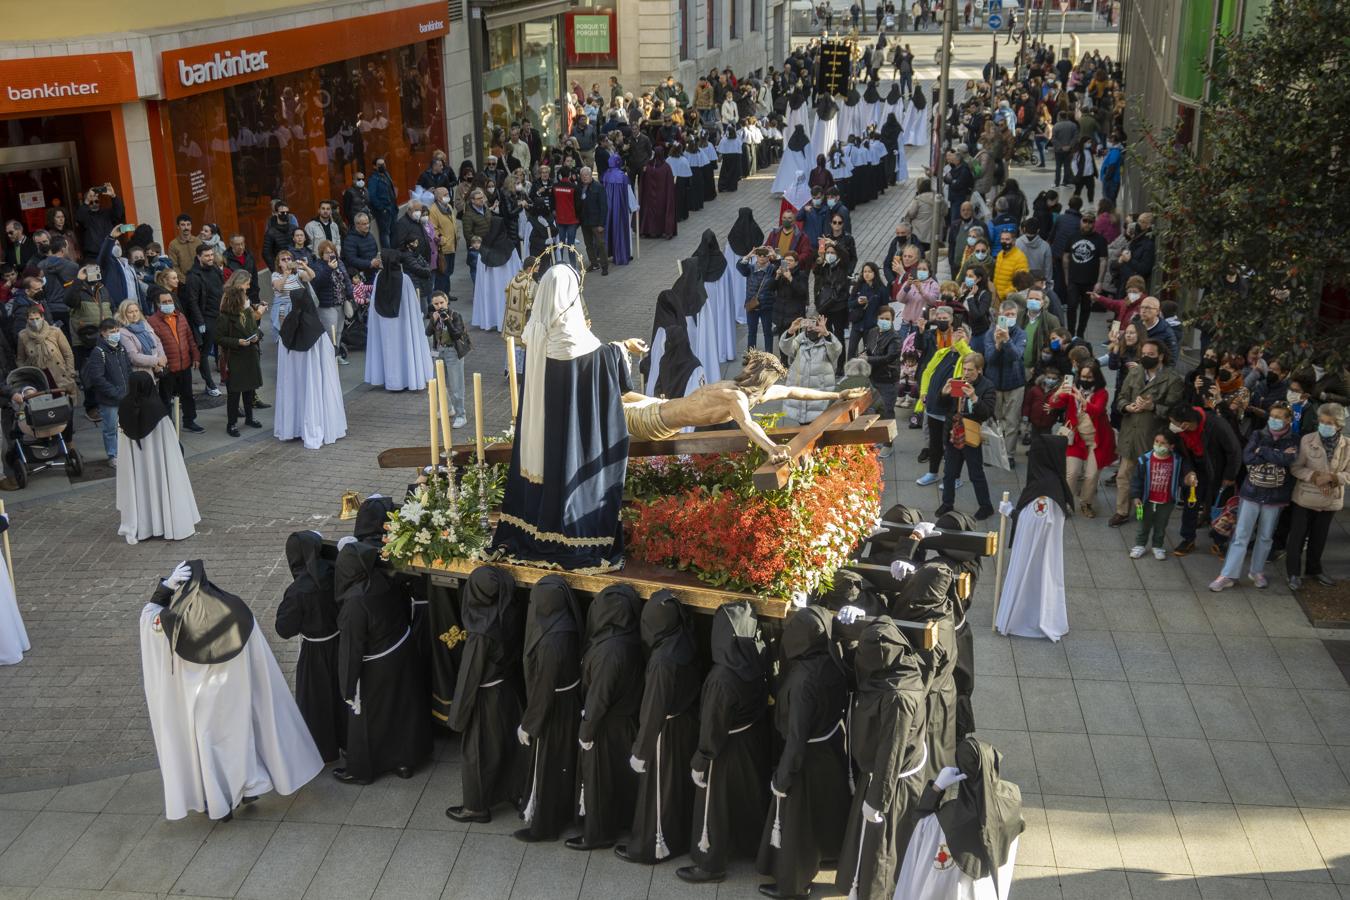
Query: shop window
[714, 23]
[1193, 37]
[303, 136]
[522, 80]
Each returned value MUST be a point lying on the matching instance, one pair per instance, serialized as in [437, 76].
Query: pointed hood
[800, 140]
[826, 108]
[746, 234]
[370, 519]
[389, 285]
[614, 615]
[1046, 462]
[884, 658]
[711, 261]
[736, 642]
[553, 608]
[666, 630]
[985, 817]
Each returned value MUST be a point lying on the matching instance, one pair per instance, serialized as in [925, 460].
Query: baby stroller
[35, 420]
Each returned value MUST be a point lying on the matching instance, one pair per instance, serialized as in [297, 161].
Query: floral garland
[446, 518]
[704, 515]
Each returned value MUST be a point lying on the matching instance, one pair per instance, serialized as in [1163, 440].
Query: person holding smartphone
[291, 274]
[238, 342]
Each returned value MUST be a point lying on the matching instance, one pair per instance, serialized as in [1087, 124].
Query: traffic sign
[995, 21]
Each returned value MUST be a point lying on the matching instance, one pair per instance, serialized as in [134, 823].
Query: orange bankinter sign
[43, 83]
[209, 67]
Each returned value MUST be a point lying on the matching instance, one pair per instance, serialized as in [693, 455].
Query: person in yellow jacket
[447, 237]
[1010, 261]
[943, 346]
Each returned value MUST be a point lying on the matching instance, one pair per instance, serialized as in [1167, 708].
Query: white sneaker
[1136, 552]
[1159, 553]
[926, 479]
[459, 422]
[213, 392]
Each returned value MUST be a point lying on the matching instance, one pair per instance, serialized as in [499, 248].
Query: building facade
[1164, 47]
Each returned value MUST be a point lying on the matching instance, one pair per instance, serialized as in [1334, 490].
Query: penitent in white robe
[398, 356]
[735, 284]
[225, 731]
[13, 637]
[154, 495]
[489, 292]
[1032, 604]
[928, 871]
[308, 396]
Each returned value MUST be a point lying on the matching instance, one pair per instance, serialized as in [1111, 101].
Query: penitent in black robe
[486, 709]
[553, 707]
[968, 563]
[611, 674]
[667, 733]
[445, 638]
[925, 597]
[733, 743]
[309, 609]
[378, 669]
[887, 745]
[806, 825]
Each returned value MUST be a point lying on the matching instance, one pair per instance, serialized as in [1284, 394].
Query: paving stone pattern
[1175, 744]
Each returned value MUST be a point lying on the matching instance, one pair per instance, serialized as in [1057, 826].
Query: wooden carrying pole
[9, 555]
[998, 563]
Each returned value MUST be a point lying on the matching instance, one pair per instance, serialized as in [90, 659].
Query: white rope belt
[320, 640]
[382, 653]
[568, 688]
[742, 728]
[862, 832]
[825, 737]
[492, 683]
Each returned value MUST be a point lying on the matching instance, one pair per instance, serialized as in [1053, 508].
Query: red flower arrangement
[702, 514]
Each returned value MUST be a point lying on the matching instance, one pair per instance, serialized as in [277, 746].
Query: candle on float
[431, 422]
[478, 413]
[443, 407]
[511, 376]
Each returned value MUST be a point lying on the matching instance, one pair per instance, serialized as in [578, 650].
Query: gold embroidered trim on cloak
[452, 637]
[554, 536]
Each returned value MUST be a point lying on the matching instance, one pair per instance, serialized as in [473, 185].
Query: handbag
[995, 448]
[974, 432]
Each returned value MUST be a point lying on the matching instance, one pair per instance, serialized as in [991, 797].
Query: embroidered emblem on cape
[452, 637]
[943, 860]
[1040, 506]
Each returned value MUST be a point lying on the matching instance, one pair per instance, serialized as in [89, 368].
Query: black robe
[807, 825]
[611, 674]
[967, 563]
[487, 704]
[657, 213]
[378, 668]
[553, 706]
[694, 186]
[926, 597]
[439, 621]
[708, 177]
[887, 746]
[667, 733]
[309, 609]
[733, 743]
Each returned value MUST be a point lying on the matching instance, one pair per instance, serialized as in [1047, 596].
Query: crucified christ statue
[654, 419]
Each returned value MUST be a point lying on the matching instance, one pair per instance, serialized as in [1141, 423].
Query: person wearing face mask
[106, 375]
[944, 346]
[790, 240]
[978, 256]
[1010, 261]
[1039, 324]
[181, 353]
[1150, 315]
[1155, 485]
[1265, 492]
[1126, 308]
[1034, 248]
[958, 233]
[812, 354]
[914, 292]
[1003, 347]
[1145, 400]
[1062, 235]
[383, 197]
[1092, 441]
[355, 200]
[831, 293]
[882, 344]
[1214, 454]
[1321, 471]
[1084, 264]
[410, 234]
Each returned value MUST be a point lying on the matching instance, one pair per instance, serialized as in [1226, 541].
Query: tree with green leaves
[1269, 190]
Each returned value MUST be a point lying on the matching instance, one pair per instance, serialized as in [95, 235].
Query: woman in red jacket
[1092, 444]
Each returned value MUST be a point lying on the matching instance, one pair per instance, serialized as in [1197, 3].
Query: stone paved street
[1176, 743]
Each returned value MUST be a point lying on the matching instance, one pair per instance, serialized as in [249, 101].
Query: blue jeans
[567, 234]
[109, 428]
[1252, 516]
[281, 307]
[755, 318]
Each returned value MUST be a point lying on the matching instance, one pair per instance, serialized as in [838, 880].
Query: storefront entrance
[522, 79]
[35, 177]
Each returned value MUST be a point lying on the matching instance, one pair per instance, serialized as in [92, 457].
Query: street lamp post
[940, 131]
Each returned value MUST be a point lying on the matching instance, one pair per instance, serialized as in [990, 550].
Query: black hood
[746, 234]
[925, 594]
[1046, 461]
[141, 409]
[553, 608]
[665, 628]
[957, 521]
[826, 108]
[301, 329]
[678, 361]
[304, 557]
[485, 603]
[893, 95]
[389, 285]
[985, 817]
[872, 95]
[615, 614]
[807, 633]
[370, 519]
[736, 643]
[688, 291]
[709, 258]
[853, 98]
[203, 623]
[498, 245]
[884, 657]
[799, 140]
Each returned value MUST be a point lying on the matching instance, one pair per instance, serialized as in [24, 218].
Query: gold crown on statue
[549, 248]
[351, 502]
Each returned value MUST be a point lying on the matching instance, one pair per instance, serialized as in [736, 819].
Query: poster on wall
[592, 39]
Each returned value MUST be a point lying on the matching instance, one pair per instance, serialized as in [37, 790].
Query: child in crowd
[1037, 416]
[907, 389]
[1171, 313]
[1154, 487]
[449, 339]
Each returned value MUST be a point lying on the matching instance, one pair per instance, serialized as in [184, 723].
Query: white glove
[1005, 508]
[637, 765]
[523, 736]
[700, 778]
[949, 776]
[850, 614]
[901, 569]
[343, 542]
[923, 530]
[585, 745]
[870, 814]
[181, 573]
[776, 792]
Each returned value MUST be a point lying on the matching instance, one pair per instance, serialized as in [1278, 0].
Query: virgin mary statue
[565, 484]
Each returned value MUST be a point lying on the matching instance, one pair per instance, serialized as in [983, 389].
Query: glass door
[35, 177]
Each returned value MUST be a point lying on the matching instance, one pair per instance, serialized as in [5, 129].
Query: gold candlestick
[431, 421]
[511, 376]
[478, 414]
[443, 405]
